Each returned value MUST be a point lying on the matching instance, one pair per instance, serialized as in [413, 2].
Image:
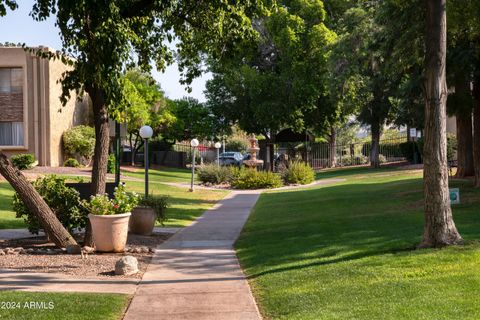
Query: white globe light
[194, 143]
[218, 145]
[146, 132]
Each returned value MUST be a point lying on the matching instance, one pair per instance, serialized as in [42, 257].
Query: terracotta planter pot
[110, 231]
[142, 221]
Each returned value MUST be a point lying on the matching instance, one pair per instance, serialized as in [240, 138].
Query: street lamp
[194, 143]
[218, 145]
[146, 132]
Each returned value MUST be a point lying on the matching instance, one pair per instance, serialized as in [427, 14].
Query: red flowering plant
[122, 202]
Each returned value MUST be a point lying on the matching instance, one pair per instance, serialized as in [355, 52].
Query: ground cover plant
[347, 251]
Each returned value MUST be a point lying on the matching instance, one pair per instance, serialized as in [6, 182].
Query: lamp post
[218, 145]
[194, 144]
[146, 132]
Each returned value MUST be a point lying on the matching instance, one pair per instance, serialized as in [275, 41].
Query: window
[11, 107]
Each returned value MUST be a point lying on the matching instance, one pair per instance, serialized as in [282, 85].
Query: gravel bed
[38, 259]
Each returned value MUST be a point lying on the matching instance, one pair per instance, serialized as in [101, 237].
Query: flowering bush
[122, 202]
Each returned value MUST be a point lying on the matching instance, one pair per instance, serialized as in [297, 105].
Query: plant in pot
[109, 219]
[149, 210]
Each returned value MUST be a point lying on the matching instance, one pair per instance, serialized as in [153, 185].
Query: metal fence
[354, 154]
[203, 154]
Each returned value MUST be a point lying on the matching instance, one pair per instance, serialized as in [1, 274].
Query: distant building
[32, 118]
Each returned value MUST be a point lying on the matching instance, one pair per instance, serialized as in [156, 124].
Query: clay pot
[110, 231]
[142, 221]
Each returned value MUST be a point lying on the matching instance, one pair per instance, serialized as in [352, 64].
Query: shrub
[356, 160]
[23, 161]
[247, 178]
[79, 141]
[451, 146]
[382, 158]
[158, 204]
[65, 203]
[298, 172]
[71, 162]
[237, 145]
[214, 174]
[111, 163]
[122, 202]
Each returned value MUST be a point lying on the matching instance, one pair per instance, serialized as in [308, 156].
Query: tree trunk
[464, 146]
[439, 228]
[476, 133]
[375, 151]
[35, 203]
[464, 127]
[332, 159]
[100, 156]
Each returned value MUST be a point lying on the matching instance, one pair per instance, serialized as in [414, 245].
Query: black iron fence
[320, 155]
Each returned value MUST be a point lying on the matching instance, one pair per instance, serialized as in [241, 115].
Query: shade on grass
[164, 174]
[72, 306]
[184, 208]
[348, 252]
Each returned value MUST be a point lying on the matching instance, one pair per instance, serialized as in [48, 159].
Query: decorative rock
[9, 251]
[30, 251]
[74, 249]
[88, 250]
[136, 250]
[17, 249]
[2, 253]
[126, 266]
[151, 250]
[145, 250]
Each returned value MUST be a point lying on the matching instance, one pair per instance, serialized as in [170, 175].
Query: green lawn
[73, 306]
[7, 216]
[347, 251]
[184, 208]
[164, 174]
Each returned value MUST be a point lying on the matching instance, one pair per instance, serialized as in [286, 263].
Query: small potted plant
[109, 219]
[149, 210]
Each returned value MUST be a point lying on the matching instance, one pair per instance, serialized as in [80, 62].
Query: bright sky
[19, 27]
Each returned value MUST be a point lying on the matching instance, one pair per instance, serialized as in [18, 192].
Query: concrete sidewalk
[195, 274]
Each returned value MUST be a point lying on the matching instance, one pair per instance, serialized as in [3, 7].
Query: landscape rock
[74, 249]
[127, 265]
[88, 250]
[2, 253]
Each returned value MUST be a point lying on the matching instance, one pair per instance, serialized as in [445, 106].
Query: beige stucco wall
[61, 117]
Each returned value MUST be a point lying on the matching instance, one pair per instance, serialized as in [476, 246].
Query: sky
[18, 27]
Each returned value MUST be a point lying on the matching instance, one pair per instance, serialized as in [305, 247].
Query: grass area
[163, 174]
[74, 306]
[184, 208]
[7, 216]
[347, 251]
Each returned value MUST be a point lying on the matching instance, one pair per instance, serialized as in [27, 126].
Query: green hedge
[23, 161]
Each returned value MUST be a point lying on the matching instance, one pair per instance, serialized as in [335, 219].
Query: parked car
[231, 159]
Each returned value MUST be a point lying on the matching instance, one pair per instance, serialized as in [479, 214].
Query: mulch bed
[39, 255]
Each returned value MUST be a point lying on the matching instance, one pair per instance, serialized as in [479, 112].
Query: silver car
[231, 159]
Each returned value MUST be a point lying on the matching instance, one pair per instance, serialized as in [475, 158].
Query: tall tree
[280, 80]
[32, 199]
[103, 37]
[439, 228]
